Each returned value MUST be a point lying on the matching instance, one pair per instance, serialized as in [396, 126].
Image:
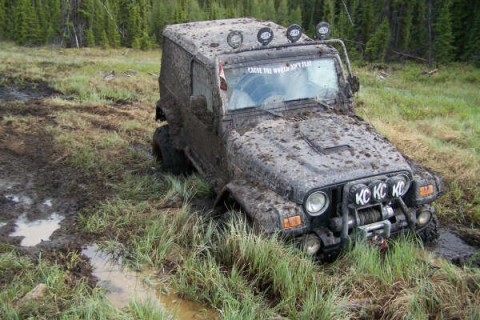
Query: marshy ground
[78, 184]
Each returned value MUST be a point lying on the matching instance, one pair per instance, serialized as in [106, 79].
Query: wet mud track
[38, 199]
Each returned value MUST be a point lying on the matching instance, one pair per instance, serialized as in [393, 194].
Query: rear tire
[172, 159]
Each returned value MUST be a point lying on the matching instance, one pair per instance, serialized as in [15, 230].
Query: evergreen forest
[431, 30]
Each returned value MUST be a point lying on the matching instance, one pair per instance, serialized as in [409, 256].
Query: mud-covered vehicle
[265, 114]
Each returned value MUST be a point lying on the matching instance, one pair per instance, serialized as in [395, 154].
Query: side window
[202, 83]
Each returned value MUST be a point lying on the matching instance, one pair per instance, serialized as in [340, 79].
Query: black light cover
[294, 33]
[265, 35]
[235, 39]
[323, 30]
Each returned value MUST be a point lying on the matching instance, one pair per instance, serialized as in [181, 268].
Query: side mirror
[198, 105]
[354, 83]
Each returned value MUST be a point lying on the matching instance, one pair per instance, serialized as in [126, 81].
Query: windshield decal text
[284, 69]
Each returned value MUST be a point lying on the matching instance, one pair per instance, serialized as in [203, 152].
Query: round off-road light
[360, 194]
[265, 35]
[424, 217]
[312, 244]
[317, 202]
[294, 33]
[235, 39]
[323, 30]
[398, 186]
[379, 190]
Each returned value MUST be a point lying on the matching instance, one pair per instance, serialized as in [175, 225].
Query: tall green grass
[66, 296]
[434, 120]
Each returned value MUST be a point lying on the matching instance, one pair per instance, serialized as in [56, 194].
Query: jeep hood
[293, 157]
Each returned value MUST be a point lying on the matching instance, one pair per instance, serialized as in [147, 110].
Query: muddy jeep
[265, 114]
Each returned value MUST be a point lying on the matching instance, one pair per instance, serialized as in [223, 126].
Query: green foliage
[377, 45]
[443, 48]
[139, 23]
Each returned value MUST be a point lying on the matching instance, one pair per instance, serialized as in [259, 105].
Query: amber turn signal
[426, 190]
[292, 222]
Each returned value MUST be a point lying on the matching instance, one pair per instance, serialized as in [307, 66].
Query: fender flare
[266, 208]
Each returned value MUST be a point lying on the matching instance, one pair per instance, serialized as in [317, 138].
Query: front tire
[430, 232]
[172, 159]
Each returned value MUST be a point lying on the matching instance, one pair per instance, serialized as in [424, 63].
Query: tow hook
[379, 242]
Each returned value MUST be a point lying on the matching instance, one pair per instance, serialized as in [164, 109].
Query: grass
[146, 217]
[434, 120]
[66, 297]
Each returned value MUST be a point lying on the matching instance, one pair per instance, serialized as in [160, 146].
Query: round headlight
[317, 203]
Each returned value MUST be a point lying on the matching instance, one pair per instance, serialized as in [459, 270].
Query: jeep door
[201, 132]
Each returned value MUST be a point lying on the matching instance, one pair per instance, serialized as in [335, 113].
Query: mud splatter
[123, 285]
[36, 231]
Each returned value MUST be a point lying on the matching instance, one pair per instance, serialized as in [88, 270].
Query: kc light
[397, 186]
[265, 35]
[294, 33]
[360, 194]
[323, 30]
[317, 203]
[379, 190]
[235, 39]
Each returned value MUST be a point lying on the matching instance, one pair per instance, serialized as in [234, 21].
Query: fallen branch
[430, 73]
[410, 56]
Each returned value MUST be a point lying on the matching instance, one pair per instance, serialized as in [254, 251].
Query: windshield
[281, 81]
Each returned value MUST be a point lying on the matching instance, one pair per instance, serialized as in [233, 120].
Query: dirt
[40, 198]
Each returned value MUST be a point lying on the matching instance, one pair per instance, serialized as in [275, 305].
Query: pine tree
[54, 21]
[111, 27]
[3, 18]
[418, 41]
[269, 12]
[329, 11]
[282, 13]
[377, 46]
[443, 42]
[472, 46]
[295, 16]
[367, 20]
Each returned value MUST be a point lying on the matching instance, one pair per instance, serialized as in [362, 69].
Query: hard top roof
[208, 39]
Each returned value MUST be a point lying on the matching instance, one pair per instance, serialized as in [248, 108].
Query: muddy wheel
[173, 160]
[430, 233]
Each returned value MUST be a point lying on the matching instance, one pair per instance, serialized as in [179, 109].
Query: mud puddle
[25, 91]
[36, 231]
[123, 286]
[451, 247]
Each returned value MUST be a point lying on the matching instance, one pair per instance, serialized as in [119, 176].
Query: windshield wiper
[321, 102]
[271, 112]
[267, 111]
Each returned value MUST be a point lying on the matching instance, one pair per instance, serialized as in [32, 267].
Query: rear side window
[202, 83]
